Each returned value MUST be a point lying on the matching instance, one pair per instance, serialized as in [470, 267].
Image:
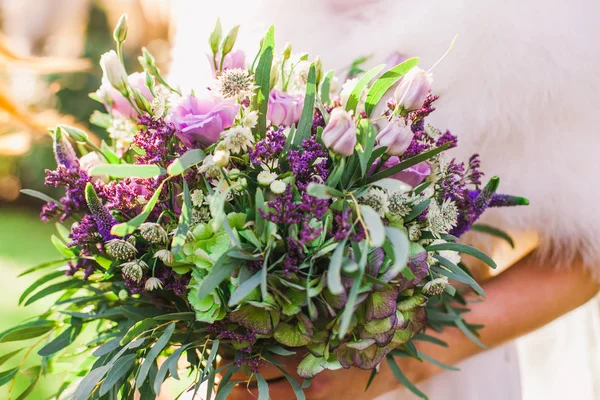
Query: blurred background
[49, 52]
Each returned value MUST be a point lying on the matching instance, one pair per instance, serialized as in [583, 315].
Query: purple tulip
[200, 121]
[340, 133]
[396, 136]
[284, 109]
[116, 103]
[413, 89]
[411, 176]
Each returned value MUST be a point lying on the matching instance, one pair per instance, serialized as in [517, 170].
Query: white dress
[521, 87]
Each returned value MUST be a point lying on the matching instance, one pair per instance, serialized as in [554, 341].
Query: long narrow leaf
[153, 353]
[465, 249]
[306, 118]
[355, 96]
[403, 379]
[386, 81]
[263, 79]
[127, 228]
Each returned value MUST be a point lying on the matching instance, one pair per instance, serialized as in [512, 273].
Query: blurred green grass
[24, 242]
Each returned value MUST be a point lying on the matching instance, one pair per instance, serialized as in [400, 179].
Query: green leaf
[137, 329]
[8, 356]
[57, 287]
[211, 358]
[385, 82]
[280, 351]
[458, 274]
[244, 289]
[63, 340]
[186, 161]
[465, 249]
[127, 228]
[61, 247]
[431, 339]
[127, 170]
[355, 96]
[490, 230]
[220, 270]
[374, 225]
[436, 362]
[321, 191]
[263, 387]
[153, 353]
[110, 155]
[7, 376]
[180, 316]
[263, 80]
[90, 381]
[326, 87]
[368, 134]
[39, 282]
[63, 232]
[45, 265]
[401, 249]
[185, 219]
[407, 163]
[334, 274]
[41, 196]
[170, 365]
[118, 371]
[402, 378]
[293, 383]
[306, 118]
[31, 386]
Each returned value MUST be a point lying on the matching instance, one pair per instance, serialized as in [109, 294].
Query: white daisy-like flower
[265, 178]
[198, 198]
[277, 186]
[377, 199]
[250, 119]
[235, 83]
[221, 157]
[397, 205]
[452, 256]
[237, 139]
[442, 217]
[153, 283]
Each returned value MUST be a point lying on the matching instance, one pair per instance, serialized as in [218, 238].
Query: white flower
[266, 177]
[200, 215]
[397, 204]
[122, 129]
[414, 233]
[277, 186]
[159, 106]
[153, 283]
[235, 83]
[442, 218]
[210, 169]
[250, 119]
[221, 158]
[377, 199]
[114, 72]
[452, 256]
[165, 256]
[237, 139]
[198, 198]
[134, 270]
[436, 286]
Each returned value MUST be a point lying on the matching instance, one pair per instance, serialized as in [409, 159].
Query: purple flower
[85, 232]
[155, 138]
[116, 103]
[233, 59]
[74, 180]
[104, 220]
[269, 148]
[284, 109]
[340, 133]
[200, 121]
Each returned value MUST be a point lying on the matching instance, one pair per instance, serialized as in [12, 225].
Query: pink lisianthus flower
[284, 109]
[116, 103]
[412, 176]
[200, 121]
[233, 59]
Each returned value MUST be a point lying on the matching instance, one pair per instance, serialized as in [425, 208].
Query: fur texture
[521, 87]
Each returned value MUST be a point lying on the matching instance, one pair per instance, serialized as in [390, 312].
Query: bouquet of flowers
[270, 214]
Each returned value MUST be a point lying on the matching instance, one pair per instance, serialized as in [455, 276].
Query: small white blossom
[452, 256]
[120, 249]
[250, 120]
[200, 215]
[277, 186]
[221, 158]
[121, 129]
[210, 169]
[153, 233]
[237, 139]
[414, 233]
[265, 178]
[377, 199]
[198, 198]
[436, 286]
[133, 270]
[159, 107]
[235, 83]
[442, 217]
[153, 283]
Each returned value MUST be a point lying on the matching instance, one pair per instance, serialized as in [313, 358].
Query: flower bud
[230, 40]
[287, 51]
[215, 37]
[114, 72]
[221, 158]
[153, 283]
[284, 109]
[153, 233]
[120, 249]
[76, 134]
[265, 178]
[435, 287]
[277, 186]
[413, 89]
[133, 270]
[123, 294]
[340, 133]
[396, 136]
[120, 32]
[318, 70]
[63, 151]
[141, 101]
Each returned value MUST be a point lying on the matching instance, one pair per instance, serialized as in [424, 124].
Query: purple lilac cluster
[155, 138]
[418, 116]
[87, 265]
[269, 148]
[85, 232]
[342, 227]
[128, 195]
[73, 179]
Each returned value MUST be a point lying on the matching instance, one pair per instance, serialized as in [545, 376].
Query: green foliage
[263, 78]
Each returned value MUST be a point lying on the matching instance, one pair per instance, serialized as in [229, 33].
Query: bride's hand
[331, 385]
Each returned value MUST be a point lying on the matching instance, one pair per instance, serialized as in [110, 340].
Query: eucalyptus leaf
[490, 230]
[7, 376]
[244, 289]
[334, 274]
[306, 118]
[465, 249]
[89, 382]
[127, 170]
[119, 370]
[321, 191]
[458, 274]
[186, 161]
[185, 220]
[263, 387]
[47, 264]
[356, 93]
[63, 340]
[218, 273]
[153, 353]
[43, 279]
[401, 249]
[42, 196]
[263, 80]
[374, 225]
[402, 378]
[57, 287]
[8, 356]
